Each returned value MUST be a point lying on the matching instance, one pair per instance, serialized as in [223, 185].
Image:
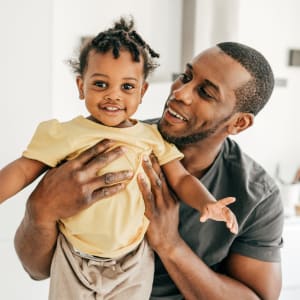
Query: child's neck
[124, 124]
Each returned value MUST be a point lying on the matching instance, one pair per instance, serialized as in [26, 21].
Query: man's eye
[127, 86]
[203, 93]
[184, 78]
[100, 84]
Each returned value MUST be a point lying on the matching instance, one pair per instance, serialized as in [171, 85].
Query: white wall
[159, 23]
[274, 138]
[270, 26]
[25, 79]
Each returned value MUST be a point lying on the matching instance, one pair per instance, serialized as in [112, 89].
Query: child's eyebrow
[99, 74]
[130, 78]
[106, 76]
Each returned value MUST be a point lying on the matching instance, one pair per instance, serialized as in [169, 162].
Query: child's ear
[144, 89]
[240, 122]
[79, 82]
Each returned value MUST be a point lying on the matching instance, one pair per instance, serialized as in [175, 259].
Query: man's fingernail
[129, 173]
[141, 176]
[145, 158]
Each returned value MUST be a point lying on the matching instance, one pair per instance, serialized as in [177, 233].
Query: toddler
[102, 251]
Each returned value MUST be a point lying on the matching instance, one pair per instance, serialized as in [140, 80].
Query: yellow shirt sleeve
[165, 151]
[49, 143]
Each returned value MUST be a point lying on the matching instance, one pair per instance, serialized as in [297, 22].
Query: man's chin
[168, 135]
[163, 129]
[181, 139]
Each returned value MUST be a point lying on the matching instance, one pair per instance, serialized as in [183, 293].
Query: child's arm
[18, 174]
[194, 193]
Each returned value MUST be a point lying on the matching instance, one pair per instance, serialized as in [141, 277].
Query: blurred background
[37, 37]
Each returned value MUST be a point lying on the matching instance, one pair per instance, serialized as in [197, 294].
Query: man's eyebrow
[189, 66]
[214, 86]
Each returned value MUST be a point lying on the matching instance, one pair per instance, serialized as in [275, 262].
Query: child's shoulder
[150, 127]
[56, 128]
[55, 122]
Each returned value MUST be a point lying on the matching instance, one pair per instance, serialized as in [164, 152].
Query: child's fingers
[204, 217]
[232, 223]
[226, 201]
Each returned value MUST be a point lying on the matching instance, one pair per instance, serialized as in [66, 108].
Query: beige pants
[77, 278]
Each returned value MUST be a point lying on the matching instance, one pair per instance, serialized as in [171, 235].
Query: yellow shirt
[114, 226]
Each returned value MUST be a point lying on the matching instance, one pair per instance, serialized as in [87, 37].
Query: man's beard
[193, 138]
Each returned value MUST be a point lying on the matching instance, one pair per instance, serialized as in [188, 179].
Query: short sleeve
[49, 143]
[261, 236]
[165, 151]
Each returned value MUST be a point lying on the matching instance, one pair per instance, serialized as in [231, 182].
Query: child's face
[112, 88]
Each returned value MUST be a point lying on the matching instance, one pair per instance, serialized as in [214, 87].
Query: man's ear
[79, 82]
[240, 122]
[144, 89]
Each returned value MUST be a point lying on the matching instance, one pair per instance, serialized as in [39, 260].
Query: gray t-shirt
[258, 209]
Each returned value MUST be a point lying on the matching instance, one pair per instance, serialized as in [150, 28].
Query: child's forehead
[107, 62]
[110, 56]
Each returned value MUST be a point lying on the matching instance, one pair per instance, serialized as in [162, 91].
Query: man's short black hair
[253, 95]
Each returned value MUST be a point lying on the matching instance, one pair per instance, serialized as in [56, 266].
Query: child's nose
[112, 95]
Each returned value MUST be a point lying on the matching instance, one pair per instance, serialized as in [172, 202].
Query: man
[220, 92]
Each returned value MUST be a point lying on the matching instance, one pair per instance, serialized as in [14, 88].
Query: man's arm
[63, 192]
[245, 278]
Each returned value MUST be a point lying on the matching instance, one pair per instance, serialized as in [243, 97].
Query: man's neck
[198, 157]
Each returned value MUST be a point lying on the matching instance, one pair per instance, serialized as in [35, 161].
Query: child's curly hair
[121, 36]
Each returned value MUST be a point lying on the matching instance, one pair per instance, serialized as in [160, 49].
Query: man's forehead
[213, 57]
[215, 65]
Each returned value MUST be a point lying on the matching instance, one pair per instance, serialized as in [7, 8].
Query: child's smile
[112, 87]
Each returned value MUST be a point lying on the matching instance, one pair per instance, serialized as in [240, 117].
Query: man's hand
[63, 192]
[74, 186]
[161, 208]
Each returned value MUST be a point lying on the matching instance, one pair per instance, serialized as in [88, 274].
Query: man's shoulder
[151, 121]
[242, 171]
[234, 155]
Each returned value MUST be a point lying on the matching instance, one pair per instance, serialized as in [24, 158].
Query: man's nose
[183, 94]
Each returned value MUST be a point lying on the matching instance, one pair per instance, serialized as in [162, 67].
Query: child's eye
[184, 78]
[127, 86]
[100, 84]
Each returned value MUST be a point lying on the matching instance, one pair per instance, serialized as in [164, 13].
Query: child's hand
[220, 212]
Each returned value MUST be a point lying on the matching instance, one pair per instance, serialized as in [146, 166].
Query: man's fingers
[111, 179]
[155, 181]
[90, 153]
[159, 188]
[155, 163]
[101, 160]
[106, 192]
[146, 193]
[110, 183]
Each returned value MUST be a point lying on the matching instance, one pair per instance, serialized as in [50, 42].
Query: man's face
[202, 99]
